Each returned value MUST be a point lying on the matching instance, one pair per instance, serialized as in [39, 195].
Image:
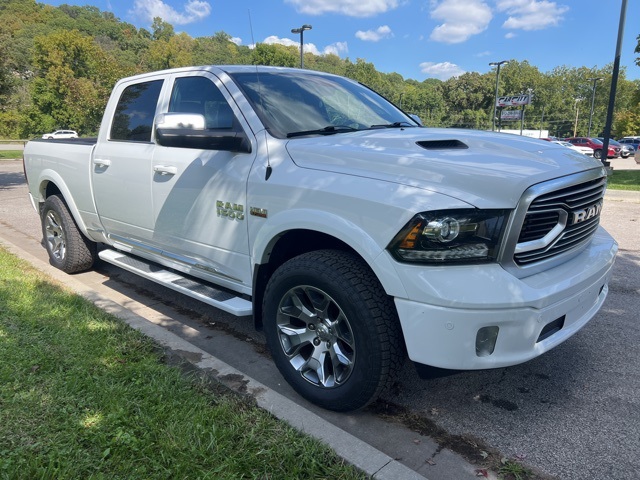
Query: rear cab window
[134, 114]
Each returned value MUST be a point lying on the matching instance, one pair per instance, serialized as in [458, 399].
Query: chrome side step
[200, 291]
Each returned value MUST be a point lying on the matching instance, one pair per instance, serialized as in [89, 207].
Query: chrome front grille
[559, 221]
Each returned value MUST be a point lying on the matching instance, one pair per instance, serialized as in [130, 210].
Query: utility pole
[495, 104]
[593, 97]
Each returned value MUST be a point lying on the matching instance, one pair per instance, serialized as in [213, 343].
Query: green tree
[161, 30]
[175, 52]
[276, 55]
[74, 79]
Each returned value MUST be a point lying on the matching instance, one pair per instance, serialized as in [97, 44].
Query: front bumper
[447, 307]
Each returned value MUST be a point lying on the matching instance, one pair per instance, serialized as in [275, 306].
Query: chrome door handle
[101, 162]
[165, 170]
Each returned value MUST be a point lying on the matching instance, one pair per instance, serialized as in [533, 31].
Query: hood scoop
[442, 145]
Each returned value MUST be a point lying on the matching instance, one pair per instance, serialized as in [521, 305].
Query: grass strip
[83, 395]
[10, 154]
[624, 180]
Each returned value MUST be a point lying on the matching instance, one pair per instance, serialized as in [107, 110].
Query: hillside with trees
[59, 64]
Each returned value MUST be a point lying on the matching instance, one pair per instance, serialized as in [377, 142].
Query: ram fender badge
[232, 211]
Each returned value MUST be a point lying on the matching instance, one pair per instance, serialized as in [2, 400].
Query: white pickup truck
[352, 234]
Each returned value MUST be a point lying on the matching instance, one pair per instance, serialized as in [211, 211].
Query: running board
[200, 291]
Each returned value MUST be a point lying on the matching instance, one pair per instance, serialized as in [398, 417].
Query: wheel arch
[292, 243]
[51, 183]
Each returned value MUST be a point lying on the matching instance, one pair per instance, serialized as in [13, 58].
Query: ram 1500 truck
[352, 234]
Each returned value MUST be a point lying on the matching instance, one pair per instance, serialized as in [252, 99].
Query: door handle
[165, 170]
[101, 162]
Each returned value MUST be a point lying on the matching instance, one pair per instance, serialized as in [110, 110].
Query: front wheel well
[288, 245]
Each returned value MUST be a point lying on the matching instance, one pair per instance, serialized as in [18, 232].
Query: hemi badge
[258, 212]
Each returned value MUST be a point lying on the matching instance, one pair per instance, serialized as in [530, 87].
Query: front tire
[68, 249]
[332, 330]
[597, 154]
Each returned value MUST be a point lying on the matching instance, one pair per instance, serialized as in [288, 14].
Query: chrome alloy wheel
[54, 236]
[316, 336]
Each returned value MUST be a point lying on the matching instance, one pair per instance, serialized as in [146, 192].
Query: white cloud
[352, 8]
[461, 19]
[236, 40]
[194, 10]
[282, 41]
[531, 14]
[486, 53]
[375, 35]
[442, 71]
[510, 35]
[335, 48]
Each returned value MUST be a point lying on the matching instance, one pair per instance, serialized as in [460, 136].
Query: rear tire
[597, 154]
[68, 249]
[332, 330]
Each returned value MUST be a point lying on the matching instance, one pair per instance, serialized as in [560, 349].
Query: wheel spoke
[343, 332]
[318, 370]
[294, 339]
[55, 236]
[295, 306]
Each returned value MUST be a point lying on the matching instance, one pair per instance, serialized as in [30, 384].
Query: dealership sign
[513, 101]
[511, 114]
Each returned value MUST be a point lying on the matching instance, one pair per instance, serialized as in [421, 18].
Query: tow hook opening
[486, 340]
[551, 328]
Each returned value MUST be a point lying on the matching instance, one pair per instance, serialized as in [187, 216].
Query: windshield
[293, 104]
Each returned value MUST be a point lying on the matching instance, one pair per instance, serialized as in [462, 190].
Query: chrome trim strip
[178, 262]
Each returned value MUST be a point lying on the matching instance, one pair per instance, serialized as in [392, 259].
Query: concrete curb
[369, 460]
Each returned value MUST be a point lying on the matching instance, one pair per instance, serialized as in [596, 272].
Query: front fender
[335, 226]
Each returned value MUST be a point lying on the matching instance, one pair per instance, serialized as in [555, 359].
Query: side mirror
[188, 130]
[416, 118]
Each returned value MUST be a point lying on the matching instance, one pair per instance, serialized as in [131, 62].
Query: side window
[133, 119]
[200, 95]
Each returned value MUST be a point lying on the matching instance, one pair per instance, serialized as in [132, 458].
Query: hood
[485, 169]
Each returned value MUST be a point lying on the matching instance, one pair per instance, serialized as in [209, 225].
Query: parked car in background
[633, 142]
[578, 148]
[596, 145]
[625, 150]
[60, 134]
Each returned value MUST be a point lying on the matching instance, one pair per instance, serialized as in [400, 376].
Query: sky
[418, 39]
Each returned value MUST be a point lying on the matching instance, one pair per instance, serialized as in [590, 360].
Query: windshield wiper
[328, 130]
[393, 125]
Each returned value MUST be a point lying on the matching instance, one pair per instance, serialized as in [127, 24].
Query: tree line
[59, 64]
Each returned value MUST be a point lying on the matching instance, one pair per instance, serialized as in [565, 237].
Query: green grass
[82, 395]
[10, 154]
[624, 180]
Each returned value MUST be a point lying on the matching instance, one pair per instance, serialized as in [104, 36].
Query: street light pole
[593, 97]
[301, 32]
[495, 103]
[575, 125]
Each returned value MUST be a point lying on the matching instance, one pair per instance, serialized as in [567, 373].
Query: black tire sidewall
[79, 252]
[364, 381]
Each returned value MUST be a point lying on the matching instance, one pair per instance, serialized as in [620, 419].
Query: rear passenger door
[121, 164]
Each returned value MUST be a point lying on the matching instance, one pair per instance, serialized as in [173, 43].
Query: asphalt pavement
[570, 414]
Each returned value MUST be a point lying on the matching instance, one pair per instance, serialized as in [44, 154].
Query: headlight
[451, 236]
